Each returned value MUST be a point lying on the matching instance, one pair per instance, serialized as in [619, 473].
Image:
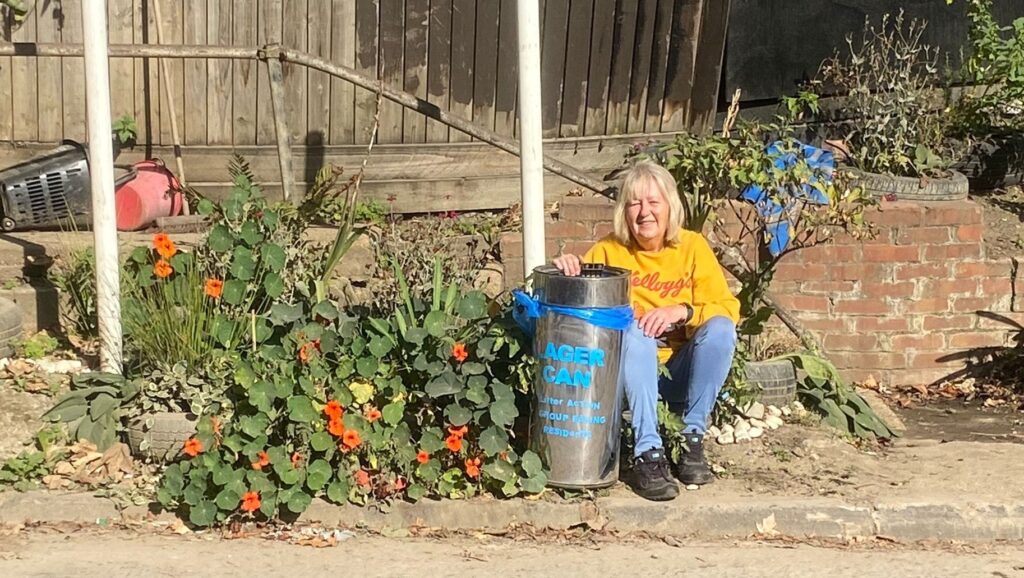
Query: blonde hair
[641, 174]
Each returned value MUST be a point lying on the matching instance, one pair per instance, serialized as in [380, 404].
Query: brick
[947, 322]
[946, 287]
[996, 286]
[916, 376]
[862, 375]
[850, 342]
[952, 251]
[981, 269]
[959, 213]
[927, 305]
[563, 229]
[800, 271]
[513, 272]
[826, 323]
[901, 290]
[870, 360]
[882, 324]
[933, 360]
[882, 236]
[891, 254]
[828, 287]
[799, 303]
[602, 230]
[923, 235]
[975, 340]
[862, 307]
[590, 208]
[918, 342]
[830, 254]
[899, 213]
[910, 271]
[511, 246]
[984, 303]
[1008, 321]
[970, 233]
[864, 272]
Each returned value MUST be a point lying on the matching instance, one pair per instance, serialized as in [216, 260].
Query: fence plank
[506, 92]
[659, 59]
[6, 88]
[219, 74]
[343, 51]
[318, 125]
[73, 73]
[392, 39]
[644, 43]
[268, 31]
[708, 66]
[619, 81]
[680, 69]
[120, 22]
[552, 57]
[577, 68]
[294, 35]
[195, 21]
[463, 40]
[417, 24]
[485, 79]
[147, 78]
[48, 71]
[596, 113]
[245, 73]
[173, 21]
[26, 90]
[439, 55]
[367, 19]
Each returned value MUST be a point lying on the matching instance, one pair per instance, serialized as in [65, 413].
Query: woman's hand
[656, 321]
[569, 265]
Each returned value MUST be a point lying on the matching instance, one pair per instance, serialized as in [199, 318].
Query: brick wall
[901, 307]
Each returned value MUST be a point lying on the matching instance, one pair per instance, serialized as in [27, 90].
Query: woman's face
[647, 215]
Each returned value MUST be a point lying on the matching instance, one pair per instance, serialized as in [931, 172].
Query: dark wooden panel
[320, 37]
[507, 90]
[245, 74]
[708, 67]
[623, 40]
[219, 75]
[679, 73]
[268, 31]
[392, 39]
[552, 63]
[659, 62]
[601, 46]
[643, 48]
[485, 79]
[343, 52]
[439, 64]
[577, 68]
[463, 42]
[417, 20]
[367, 19]
[295, 33]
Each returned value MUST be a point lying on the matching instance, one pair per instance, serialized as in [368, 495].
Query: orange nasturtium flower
[351, 439]
[162, 269]
[164, 245]
[193, 447]
[400, 484]
[459, 432]
[306, 351]
[454, 443]
[296, 460]
[459, 352]
[336, 427]
[333, 409]
[214, 288]
[262, 461]
[215, 424]
[251, 501]
[373, 415]
[363, 478]
[422, 457]
[473, 467]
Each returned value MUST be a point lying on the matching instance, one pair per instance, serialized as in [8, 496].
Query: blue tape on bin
[527, 310]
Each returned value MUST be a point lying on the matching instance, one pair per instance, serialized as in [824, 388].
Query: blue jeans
[698, 372]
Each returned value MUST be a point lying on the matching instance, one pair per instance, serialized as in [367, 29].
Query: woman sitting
[686, 319]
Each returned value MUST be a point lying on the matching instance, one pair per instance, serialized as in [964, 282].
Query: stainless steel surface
[596, 287]
[576, 421]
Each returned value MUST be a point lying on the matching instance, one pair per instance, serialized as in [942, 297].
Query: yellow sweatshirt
[686, 273]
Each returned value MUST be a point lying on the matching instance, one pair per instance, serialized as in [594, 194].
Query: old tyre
[951, 188]
[10, 326]
[776, 381]
[160, 435]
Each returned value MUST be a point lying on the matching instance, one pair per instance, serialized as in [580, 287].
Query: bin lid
[598, 286]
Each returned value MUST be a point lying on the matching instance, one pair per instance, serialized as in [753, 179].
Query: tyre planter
[952, 188]
[775, 380]
[160, 435]
[10, 326]
[995, 163]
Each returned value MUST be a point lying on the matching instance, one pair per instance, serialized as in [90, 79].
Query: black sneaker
[692, 467]
[651, 478]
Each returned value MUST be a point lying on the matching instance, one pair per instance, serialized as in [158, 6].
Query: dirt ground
[45, 552]
[1003, 215]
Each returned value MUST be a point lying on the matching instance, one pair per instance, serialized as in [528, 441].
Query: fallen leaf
[672, 541]
[767, 526]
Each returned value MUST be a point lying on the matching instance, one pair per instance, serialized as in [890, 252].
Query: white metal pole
[101, 169]
[531, 159]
